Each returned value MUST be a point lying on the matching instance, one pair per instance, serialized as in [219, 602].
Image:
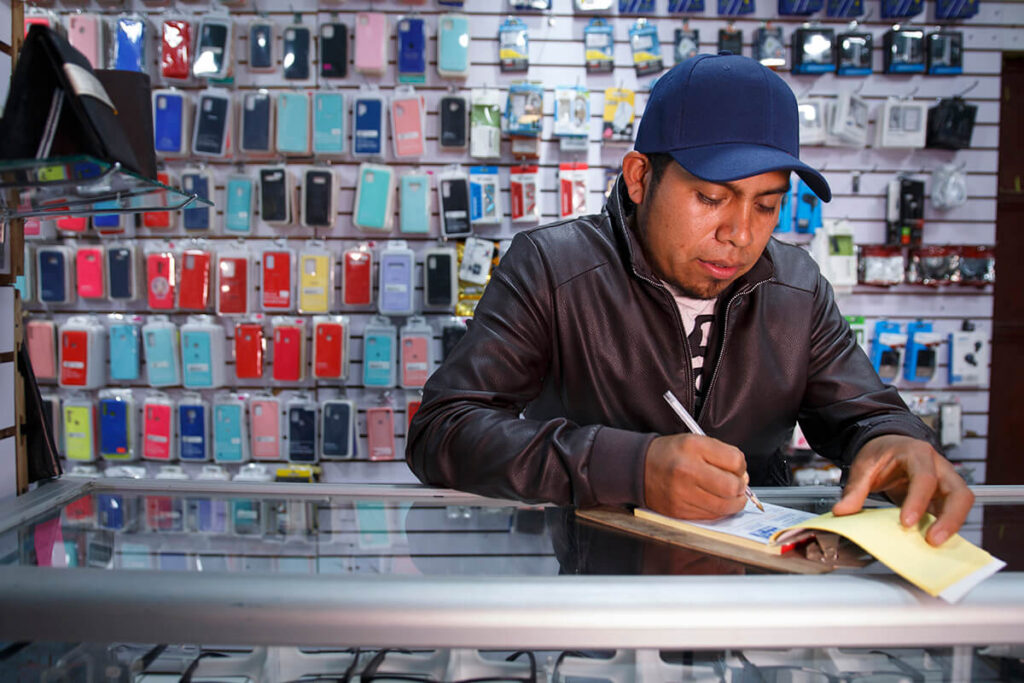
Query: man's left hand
[913, 474]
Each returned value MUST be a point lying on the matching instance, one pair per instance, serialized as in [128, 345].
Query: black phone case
[298, 48]
[450, 336]
[336, 435]
[212, 125]
[273, 199]
[453, 121]
[731, 41]
[217, 37]
[261, 38]
[302, 435]
[317, 199]
[455, 200]
[334, 52]
[256, 123]
[119, 268]
[439, 280]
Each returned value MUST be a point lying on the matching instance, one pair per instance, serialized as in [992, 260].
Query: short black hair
[659, 162]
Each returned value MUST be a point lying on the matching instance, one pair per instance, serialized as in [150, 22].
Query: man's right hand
[694, 477]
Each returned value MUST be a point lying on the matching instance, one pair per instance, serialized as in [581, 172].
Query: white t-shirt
[697, 315]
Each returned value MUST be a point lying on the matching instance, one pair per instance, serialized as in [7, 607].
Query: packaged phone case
[202, 353]
[453, 46]
[250, 346]
[397, 267]
[338, 436]
[371, 43]
[160, 341]
[440, 278]
[108, 223]
[261, 46]
[238, 211]
[256, 138]
[277, 279]
[333, 50]
[411, 42]
[414, 207]
[302, 423]
[158, 430]
[379, 341]
[289, 359]
[453, 111]
[265, 431]
[161, 220]
[212, 132]
[161, 277]
[41, 340]
[116, 409]
[90, 272]
[380, 432]
[296, 41]
[233, 282]
[328, 123]
[125, 339]
[54, 266]
[79, 428]
[213, 47]
[368, 125]
[87, 34]
[176, 48]
[356, 276]
[316, 278]
[276, 195]
[200, 183]
[453, 198]
[194, 281]
[416, 340]
[317, 202]
[172, 119]
[330, 347]
[374, 203]
[82, 348]
[230, 428]
[131, 34]
[408, 113]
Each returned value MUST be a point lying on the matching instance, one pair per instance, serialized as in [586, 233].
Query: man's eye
[710, 201]
[766, 209]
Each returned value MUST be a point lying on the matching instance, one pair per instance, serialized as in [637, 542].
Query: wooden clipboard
[792, 562]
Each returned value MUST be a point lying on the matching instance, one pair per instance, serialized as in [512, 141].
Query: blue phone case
[295, 42]
[51, 275]
[120, 273]
[261, 41]
[256, 122]
[396, 284]
[337, 440]
[374, 192]
[453, 52]
[192, 429]
[168, 110]
[246, 516]
[113, 428]
[328, 123]
[238, 214]
[412, 49]
[131, 45]
[379, 359]
[110, 511]
[227, 433]
[292, 123]
[414, 204]
[107, 220]
[161, 368]
[301, 434]
[196, 218]
[124, 352]
[368, 126]
[196, 360]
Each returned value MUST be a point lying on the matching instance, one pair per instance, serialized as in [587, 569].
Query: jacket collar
[620, 209]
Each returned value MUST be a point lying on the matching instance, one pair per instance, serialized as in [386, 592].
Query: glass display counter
[278, 582]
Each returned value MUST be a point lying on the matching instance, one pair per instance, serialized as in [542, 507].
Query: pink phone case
[371, 30]
[380, 433]
[41, 337]
[406, 114]
[265, 429]
[89, 272]
[156, 429]
[85, 36]
[414, 362]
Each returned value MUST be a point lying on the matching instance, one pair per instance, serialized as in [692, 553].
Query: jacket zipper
[725, 338]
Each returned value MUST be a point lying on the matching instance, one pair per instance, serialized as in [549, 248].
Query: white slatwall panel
[556, 54]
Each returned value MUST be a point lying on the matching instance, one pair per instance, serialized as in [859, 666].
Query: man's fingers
[955, 506]
[858, 486]
[922, 486]
[724, 457]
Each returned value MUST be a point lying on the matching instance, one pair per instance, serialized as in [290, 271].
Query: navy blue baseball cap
[725, 117]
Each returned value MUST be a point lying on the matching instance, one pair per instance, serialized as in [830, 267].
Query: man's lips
[721, 270]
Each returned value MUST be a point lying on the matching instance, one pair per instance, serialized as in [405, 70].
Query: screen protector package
[513, 46]
[599, 46]
[643, 42]
[619, 115]
[853, 54]
[484, 196]
[814, 51]
[485, 124]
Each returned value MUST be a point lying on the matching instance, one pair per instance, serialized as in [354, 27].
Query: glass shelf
[82, 186]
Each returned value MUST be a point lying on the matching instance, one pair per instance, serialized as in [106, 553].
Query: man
[555, 393]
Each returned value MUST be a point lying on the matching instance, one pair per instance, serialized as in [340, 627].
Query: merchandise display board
[370, 162]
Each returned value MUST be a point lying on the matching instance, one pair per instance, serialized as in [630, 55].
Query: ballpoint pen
[694, 428]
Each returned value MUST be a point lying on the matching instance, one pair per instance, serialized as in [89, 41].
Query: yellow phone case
[78, 437]
[314, 283]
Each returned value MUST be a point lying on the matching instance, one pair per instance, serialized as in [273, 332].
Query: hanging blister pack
[969, 352]
[357, 276]
[513, 46]
[949, 187]
[902, 123]
[814, 50]
[904, 212]
[330, 347]
[90, 272]
[412, 49]
[194, 278]
[477, 256]
[333, 50]
[316, 278]
[202, 353]
[265, 427]
[78, 426]
[233, 282]
[572, 189]
[933, 265]
[261, 46]
[768, 46]
[175, 47]
[485, 124]
[408, 114]
[834, 250]
[853, 54]
[380, 432]
[338, 436]
[213, 48]
[572, 118]
[922, 352]
[328, 123]
[618, 116]
[945, 53]
[131, 36]
[880, 265]
[844, 9]
[453, 111]
[453, 46]
[730, 39]
[125, 339]
[524, 194]
[374, 202]
[847, 121]
[685, 6]
[371, 43]
[82, 349]
[903, 51]
[302, 422]
[172, 123]
[414, 203]
[901, 9]
[116, 409]
[599, 46]
[807, 209]
[887, 349]
[238, 210]
[416, 339]
[440, 278]
[735, 8]
[686, 44]
[194, 427]
[276, 280]
[250, 347]
[453, 196]
[524, 111]
[212, 134]
[293, 118]
[368, 124]
[379, 342]
[158, 427]
[396, 285]
[951, 124]
[256, 137]
[160, 341]
[956, 9]
[230, 429]
[645, 47]
[484, 196]
[199, 182]
[799, 8]
[276, 196]
[812, 113]
[636, 6]
[289, 350]
[295, 42]
[87, 34]
[317, 203]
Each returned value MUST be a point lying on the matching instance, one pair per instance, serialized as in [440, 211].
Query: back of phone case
[168, 123]
[79, 443]
[238, 212]
[176, 49]
[328, 123]
[74, 358]
[212, 120]
[265, 429]
[406, 113]
[41, 348]
[371, 33]
[415, 361]
[293, 123]
[314, 283]
[412, 48]
[328, 350]
[357, 269]
[227, 432]
[377, 361]
[160, 278]
[52, 275]
[414, 203]
[114, 426]
[193, 428]
[157, 431]
[233, 285]
[256, 118]
[277, 280]
[121, 273]
[296, 52]
[161, 357]
[302, 433]
[318, 188]
[337, 429]
[380, 433]
[249, 350]
[194, 287]
[196, 218]
[374, 195]
[85, 35]
[274, 204]
[124, 352]
[196, 359]
[334, 50]
[288, 354]
[130, 52]
[213, 50]
[453, 49]
[261, 46]
[437, 290]
[367, 132]
[396, 283]
[454, 121]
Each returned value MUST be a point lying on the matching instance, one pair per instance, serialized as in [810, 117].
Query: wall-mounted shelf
[82, 186]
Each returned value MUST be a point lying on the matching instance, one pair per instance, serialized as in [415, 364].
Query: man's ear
[636, 172]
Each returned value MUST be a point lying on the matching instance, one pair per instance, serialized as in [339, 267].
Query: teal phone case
[161, 368]
[197, 368]
[328, 123]
[238, 214]
[374, 189]
[292, 123]
[227, 433]
[453, 53]
[413, 203]
[379, 361]
[124, 352]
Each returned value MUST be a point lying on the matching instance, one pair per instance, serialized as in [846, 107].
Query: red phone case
[410, 408]
[160, 513]
[156, 437]
[249, 351]
[73, 223]
[158, 219]
[233, 285]
[89, 272]
[414, 362]
[81, 510]
[160, 278]
[41, 349]
[176, 49]
[287, 354]
[380, 433]
[357, 278]
[74, 361]
[327, 350]
[194, 289]
[277, 280]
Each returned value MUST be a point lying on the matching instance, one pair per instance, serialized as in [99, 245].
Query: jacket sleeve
[469, 432]
[845, 403]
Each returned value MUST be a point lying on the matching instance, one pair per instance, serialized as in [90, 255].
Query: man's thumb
[856, 492]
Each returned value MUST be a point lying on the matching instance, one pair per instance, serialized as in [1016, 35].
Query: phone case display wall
[369, 164]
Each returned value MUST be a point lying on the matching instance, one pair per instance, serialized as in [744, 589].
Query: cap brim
[725, 163]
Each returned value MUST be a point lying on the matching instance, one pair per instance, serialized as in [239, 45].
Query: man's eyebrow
[782, 189]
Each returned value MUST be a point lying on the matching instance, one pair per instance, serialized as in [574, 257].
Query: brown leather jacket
[555, 392]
